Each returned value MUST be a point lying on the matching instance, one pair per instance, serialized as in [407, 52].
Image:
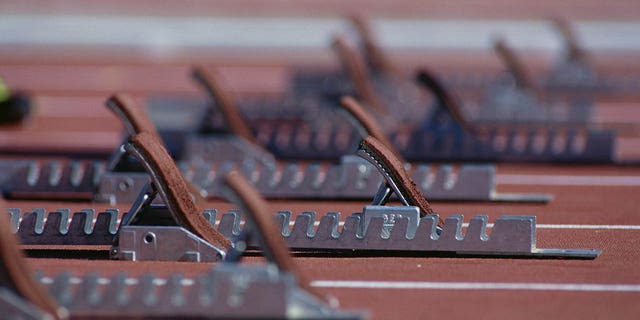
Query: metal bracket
[155, 243]
[136, 241]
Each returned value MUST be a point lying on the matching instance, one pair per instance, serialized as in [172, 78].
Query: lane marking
[409, 285]
[577, 226]
[538, 226]
[545, 226]
[564, 180]
[165, 35]
[588, 226]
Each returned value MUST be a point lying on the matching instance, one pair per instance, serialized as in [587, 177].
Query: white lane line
[477, 286]
[588, 226]
[564, 180]
[173, 33]
[544, 226]
[411, 285]
[577, 226]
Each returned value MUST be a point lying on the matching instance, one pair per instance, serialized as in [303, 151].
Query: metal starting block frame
[377, 228]
[351, 178]
[228, 291]
[303, 140]
[316, 136]
[453, 144]
[400, 229]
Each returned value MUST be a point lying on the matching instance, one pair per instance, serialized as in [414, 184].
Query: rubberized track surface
[594, 207]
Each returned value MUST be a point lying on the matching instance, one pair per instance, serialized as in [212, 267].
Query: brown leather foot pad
[174, 189]
[385, 157]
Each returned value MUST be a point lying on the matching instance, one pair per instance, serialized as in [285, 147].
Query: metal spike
[89, 292]
[60, 289]
[14, 217]
[33, 221]
[82, 222]
[230, 224]
[117, 291]
[283, 218]
[172, 295]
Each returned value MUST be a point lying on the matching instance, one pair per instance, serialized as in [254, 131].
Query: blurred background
[72, 53]
[300, 31]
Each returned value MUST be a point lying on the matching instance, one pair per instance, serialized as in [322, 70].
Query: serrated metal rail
[377, 228]
[355, 178]
[352, 178]
[330, 141]
[227, 291]
[324, 137]
[71, 179]
[64, 227]
[451, 144]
